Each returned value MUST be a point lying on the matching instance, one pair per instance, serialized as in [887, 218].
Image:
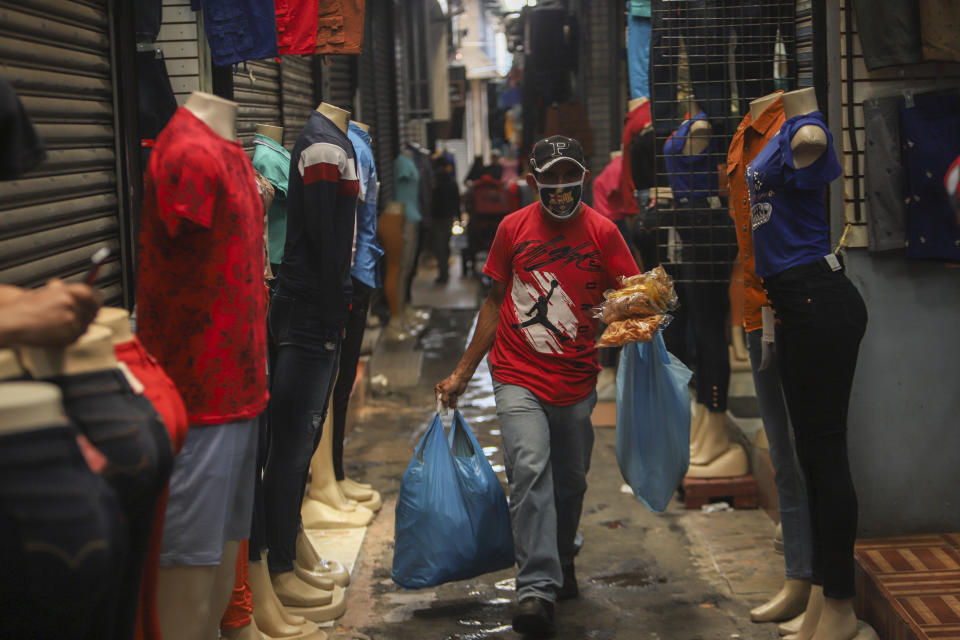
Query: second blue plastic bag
[451, 520]
[653, 421]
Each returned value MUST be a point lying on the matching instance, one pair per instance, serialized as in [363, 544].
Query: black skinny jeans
[305, 367]
[62, 541]
[349, 357]
[822, 320]
[129, 432]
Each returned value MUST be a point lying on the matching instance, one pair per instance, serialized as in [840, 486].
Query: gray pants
[791, 490]
[547, 451]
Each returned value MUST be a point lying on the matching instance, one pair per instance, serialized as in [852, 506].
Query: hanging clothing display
[340, 27]
[273, 163]
[297, 26]
[930, 131]
[425, 184]
[239, 30]
[634, 123]
[889, 32]
[367, 256]
[883, 175]
[750, 138]
[607, 191]
[200, 295]
[638, 47]
[22, 148]
[940, 30]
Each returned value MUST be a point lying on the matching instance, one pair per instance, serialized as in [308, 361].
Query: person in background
[446, 207]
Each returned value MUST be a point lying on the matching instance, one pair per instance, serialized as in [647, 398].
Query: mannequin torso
[336, 115]
[809, 142]
[362, 125]
[118, 321]
[699, 136]
[29, 405]
[273, 132]
[217, 113]
[93, 351]
[9, 367]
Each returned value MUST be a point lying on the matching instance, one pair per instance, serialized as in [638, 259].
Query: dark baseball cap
[549, 151]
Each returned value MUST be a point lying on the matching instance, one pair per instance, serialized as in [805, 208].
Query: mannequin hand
[766, 355]
[54, 315]
[451, 389]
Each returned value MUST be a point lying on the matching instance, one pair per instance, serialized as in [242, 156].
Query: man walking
[551, 260]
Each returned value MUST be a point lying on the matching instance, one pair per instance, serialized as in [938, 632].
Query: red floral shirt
[201, 303]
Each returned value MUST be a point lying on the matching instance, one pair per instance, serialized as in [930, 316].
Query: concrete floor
[682, 575]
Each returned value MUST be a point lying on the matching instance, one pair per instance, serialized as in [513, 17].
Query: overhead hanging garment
[239, 30]
[297, 26]
[340, 26]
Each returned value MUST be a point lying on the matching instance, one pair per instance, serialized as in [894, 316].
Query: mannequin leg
[222, 588]
[812, 614]
[183, 601]
[304, 374]
[390, 230]
[837, 620]
[349, 357]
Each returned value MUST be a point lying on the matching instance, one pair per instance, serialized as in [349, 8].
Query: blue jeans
[638, 56]
[546, 449]
[791, 492]
[302, 376]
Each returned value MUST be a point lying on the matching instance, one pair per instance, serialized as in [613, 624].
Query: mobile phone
[96, 261]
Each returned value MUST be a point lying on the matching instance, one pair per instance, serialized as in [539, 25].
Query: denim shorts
[211, 493]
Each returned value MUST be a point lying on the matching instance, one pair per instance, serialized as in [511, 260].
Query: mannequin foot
[837, 620]
[786, 604]
[713, 438]
[309, 561]
[249, 632]
[732, 462]
[790, 627]
[696, 428]
[358, 485]
[811, 616]
[292, 591]
[336, 607]
[354, 492]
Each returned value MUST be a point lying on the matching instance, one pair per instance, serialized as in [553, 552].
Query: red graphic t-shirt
[201, 303]
[556, 273]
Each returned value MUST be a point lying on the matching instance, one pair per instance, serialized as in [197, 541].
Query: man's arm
[54, 315]
[454, 385]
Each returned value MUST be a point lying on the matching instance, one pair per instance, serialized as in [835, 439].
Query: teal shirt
[273, 163]
[407, 175]
[639, 8]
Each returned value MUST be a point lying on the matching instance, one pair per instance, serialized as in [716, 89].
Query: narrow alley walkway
[682, 575]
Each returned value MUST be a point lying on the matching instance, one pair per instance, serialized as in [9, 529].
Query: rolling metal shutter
[378, 96]
[57, 54]
[338, 82]
[296, 94]
[256, 90]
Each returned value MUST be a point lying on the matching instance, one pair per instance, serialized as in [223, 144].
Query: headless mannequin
[10, 369]
[336, 115]
[191, 600]
[792, 598]
[711, 453]
[361, 491]
[824, 618]
[27, 406]
[302, 597]
[273, 132]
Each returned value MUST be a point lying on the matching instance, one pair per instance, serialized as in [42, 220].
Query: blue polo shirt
[787, 206]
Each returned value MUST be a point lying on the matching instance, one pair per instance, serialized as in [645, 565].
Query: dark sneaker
[534, 617]
[569, 590]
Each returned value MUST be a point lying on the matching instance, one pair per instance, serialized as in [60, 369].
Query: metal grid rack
[711, 57]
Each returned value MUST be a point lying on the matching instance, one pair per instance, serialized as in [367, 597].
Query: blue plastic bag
[442, 531]
[653, 421]
[484, 498]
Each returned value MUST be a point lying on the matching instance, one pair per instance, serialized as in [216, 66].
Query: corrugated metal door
[296, 94]
[57, 55]
[256, 90]
[378, 97]
[338, 82]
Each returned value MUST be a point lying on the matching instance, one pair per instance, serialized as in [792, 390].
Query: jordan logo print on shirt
[545, 313]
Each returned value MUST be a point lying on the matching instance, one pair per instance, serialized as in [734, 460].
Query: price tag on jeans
[766, 314]
[832, 260]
